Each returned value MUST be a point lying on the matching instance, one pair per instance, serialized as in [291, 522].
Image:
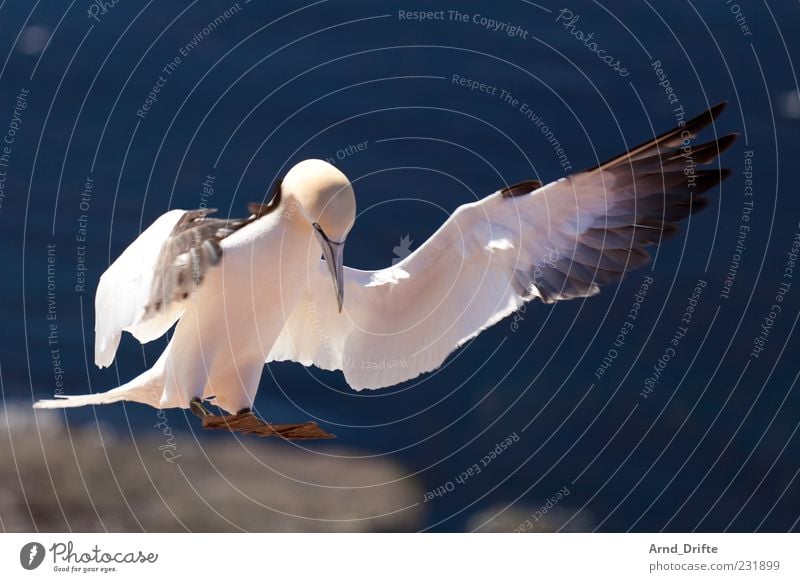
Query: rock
[87, 477]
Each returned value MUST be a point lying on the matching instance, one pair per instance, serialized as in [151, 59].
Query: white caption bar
[354, 557]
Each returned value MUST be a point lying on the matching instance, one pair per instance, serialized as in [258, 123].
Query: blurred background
[593, 433]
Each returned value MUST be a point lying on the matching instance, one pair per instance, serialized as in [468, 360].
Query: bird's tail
[145, 388]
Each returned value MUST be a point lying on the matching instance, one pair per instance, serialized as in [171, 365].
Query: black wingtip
[717, 109]
[725, 142]
[697, 124]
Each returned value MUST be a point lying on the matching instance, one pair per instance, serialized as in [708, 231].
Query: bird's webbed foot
[198, 409]
[246, 422]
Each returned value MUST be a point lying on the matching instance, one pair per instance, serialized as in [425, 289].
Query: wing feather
[124, 290]
[559, 241]
[144, 291]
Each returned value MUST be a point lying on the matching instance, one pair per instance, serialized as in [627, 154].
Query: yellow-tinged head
[326, 198]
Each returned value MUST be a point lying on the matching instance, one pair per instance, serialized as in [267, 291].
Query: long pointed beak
[334, 257]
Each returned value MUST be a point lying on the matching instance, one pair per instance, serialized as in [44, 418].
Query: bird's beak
[334, 257]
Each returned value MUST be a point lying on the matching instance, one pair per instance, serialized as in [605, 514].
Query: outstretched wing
[145, 289]
[560, 241]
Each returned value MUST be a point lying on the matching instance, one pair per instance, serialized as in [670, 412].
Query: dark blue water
[714, 444]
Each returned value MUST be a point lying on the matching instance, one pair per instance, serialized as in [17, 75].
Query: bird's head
[326, 199]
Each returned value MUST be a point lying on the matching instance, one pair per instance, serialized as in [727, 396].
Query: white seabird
[245, 292]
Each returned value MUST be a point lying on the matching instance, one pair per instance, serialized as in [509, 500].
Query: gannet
[273, 286]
